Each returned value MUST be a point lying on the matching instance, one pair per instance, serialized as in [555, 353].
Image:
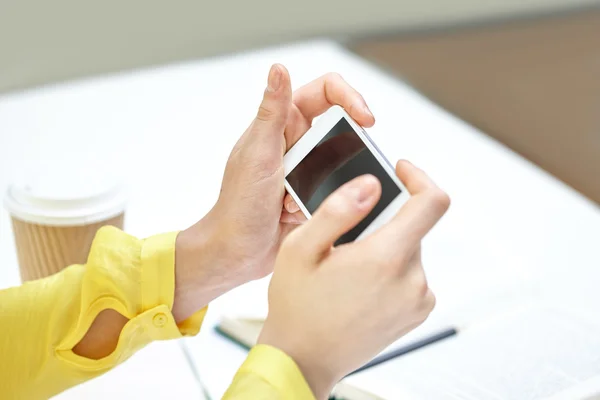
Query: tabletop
[168, 132]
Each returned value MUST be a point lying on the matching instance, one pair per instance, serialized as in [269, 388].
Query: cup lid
[65, 198]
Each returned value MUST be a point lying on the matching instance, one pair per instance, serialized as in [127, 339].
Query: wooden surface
[533, 85]
[44, 250]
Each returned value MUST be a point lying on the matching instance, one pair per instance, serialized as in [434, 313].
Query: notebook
[529, 352]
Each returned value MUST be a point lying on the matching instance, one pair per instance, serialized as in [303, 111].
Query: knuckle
[439, 199]
[427, 306]
[419, 285]
[430, 301]
[422, 317]
[264, 114]
[416, 284]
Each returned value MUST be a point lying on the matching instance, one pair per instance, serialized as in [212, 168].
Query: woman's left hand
[237, 241]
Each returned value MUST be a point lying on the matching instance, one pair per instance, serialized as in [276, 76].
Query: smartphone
[335, 150]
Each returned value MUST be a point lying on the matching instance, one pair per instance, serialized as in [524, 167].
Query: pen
[436, 337]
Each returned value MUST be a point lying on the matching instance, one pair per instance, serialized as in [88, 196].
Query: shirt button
[159, 320]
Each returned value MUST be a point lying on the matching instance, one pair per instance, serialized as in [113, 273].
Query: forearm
[206, 266]
[200, 269]
[102, 337]
[125, 291]
[31, 332]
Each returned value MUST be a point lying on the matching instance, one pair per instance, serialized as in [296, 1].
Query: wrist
[319, 379]
[200, 269]
[318, 375]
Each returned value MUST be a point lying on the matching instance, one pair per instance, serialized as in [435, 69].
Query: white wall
[51, 40]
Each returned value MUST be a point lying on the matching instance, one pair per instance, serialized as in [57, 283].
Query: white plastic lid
[65, 197]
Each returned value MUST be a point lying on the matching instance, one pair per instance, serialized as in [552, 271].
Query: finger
[316, 97]
[296, 218]
[339, 213]
[415, 179]
[290, 204]
[421, 212]
[273, 111]
[297, 126]
[286, 229]
[426, 206]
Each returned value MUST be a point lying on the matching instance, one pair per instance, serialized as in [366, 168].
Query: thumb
[273, 111]
[338, 214]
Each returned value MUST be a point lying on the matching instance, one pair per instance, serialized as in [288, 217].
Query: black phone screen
[338, 158]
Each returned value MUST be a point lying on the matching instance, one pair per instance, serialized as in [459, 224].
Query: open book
[531, 353]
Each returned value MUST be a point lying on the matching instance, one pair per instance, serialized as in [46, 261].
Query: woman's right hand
[333, 309]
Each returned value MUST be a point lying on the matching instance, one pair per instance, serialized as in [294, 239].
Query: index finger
[418, 215]
[316, 97]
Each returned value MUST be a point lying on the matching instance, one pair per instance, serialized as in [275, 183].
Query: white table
[512, 227]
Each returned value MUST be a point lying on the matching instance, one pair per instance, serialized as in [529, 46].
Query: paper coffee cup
[56, 216]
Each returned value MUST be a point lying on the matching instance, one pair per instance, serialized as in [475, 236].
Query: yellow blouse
[41, 322]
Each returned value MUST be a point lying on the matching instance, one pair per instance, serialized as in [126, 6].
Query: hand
[333, 309]
[238, 240]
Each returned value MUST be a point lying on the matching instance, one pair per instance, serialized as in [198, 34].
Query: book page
[532, 354]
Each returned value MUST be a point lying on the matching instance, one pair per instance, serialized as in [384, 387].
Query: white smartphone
[334, 151]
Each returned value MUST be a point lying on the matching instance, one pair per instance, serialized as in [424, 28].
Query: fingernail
[291, 206]
[274, 80]
[363, 189]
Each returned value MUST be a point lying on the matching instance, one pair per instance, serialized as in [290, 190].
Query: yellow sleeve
[269, 373]
[41, 321]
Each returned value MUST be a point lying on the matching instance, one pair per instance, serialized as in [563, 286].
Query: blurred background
[524, 71]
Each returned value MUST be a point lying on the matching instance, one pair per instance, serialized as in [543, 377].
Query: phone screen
[338, 158]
